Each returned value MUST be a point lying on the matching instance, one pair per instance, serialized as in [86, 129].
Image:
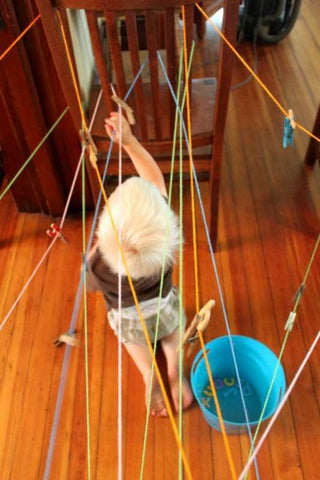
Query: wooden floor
[269, 222]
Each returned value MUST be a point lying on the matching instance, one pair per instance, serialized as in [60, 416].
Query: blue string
[66, 358]
[214, 264]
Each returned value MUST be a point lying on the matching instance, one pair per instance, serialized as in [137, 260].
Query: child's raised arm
[144, 163]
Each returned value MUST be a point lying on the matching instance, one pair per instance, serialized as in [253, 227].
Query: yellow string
[242, 60]
[164, 393]
[195, 251]
[7, 50]
[194, 232]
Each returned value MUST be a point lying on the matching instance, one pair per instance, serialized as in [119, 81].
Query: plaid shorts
[131, 328]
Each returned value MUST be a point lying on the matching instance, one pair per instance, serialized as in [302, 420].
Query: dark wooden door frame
[15, 71]
[32, 99]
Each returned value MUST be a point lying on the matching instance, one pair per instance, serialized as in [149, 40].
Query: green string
[288, 331]
[180, 296]
[85, 317]
[32, 154]
[165, 251]
[181, 259]
[162, 273]
[160, 289]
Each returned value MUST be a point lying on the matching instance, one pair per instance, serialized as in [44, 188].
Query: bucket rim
[199, 359]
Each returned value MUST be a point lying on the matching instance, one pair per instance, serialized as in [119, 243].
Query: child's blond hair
[148, 227]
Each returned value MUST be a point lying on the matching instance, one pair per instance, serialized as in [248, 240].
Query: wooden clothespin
[290, 322]
[88, 142]
[199, 323]
[288, 129]
[67, 338]
[291, 118]
[123, 105]
[54, 231]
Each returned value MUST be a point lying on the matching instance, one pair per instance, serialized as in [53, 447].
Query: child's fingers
[112, 122]
[112, 125]
[109, 130]
[112, 118]
[117, 116]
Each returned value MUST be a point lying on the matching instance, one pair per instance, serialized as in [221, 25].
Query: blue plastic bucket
[256, 364]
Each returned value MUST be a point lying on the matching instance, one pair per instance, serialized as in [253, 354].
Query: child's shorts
[132, 331]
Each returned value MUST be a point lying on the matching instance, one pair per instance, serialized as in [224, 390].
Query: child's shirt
[100, 277]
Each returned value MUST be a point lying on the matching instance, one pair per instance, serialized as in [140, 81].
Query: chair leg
[313, 150]
[93, 180]
[214, 196]
[214, 209]
[230, 23]
[200, 22]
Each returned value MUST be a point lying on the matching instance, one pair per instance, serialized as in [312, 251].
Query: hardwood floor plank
[281, 266]
[12, 337]
[41, 358]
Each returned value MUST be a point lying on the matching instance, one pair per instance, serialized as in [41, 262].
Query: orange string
[194, 232]
[225, 439]
[242, 60]
[145, 331]
[216, 401]
[19, 37]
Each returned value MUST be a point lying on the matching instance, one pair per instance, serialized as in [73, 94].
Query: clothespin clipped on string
[67, 338]
[299, 293]
[123, 105]
[292, 315]
[54, 231]
[198, 324]
[290, 322]
[88, 142]
[288, 129]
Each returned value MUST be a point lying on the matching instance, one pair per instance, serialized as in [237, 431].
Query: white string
[46, 253]
[119, 308]
[63, 218]
[44, 256]
[79, 164]
[281, 404]
[60, 225]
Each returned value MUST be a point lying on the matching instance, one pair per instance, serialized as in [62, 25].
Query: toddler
[148, 227]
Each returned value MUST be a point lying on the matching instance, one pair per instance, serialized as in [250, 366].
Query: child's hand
[113, 129]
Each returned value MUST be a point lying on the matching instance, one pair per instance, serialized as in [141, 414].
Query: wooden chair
[152, 102]
[313, 150]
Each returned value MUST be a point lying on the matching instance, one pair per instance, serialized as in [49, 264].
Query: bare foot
[187, 396]
[158, 408]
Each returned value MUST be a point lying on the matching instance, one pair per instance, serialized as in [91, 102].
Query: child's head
[147, 225]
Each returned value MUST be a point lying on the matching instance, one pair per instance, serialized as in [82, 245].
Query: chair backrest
[146, 26]
[143, 31]
[153, 102]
